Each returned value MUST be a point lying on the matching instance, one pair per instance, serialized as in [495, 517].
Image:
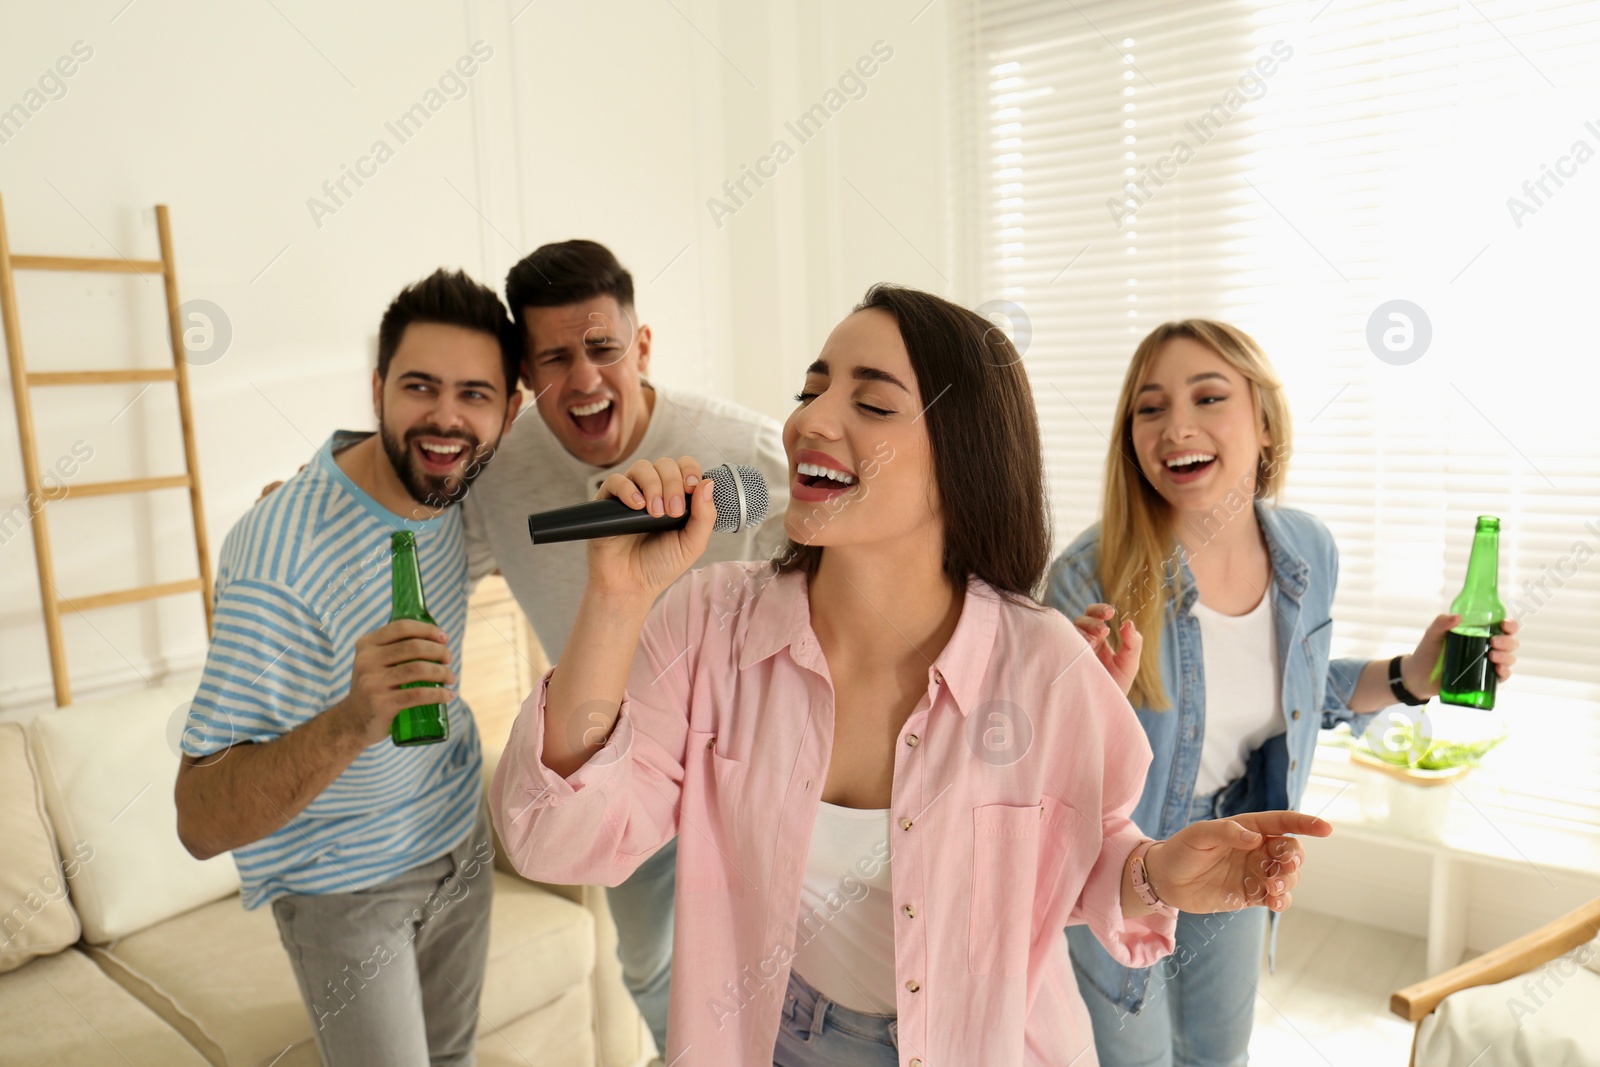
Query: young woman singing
[893, 775]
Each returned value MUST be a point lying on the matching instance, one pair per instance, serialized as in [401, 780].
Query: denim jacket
[1316, 691]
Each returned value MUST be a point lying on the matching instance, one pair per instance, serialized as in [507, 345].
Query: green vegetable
[1404, 745]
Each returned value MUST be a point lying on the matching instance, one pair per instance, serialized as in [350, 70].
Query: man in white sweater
[585, 367]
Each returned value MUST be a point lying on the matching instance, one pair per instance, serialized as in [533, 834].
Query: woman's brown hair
[983, 434]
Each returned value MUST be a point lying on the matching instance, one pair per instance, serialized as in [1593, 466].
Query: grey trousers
[391, 974]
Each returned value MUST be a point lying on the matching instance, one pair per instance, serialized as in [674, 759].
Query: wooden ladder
[38, 495]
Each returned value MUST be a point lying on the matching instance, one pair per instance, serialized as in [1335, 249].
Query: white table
[1472, 836]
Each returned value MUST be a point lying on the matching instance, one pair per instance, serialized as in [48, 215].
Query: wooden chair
[1550, 941]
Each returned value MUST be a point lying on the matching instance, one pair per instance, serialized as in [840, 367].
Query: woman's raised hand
[1229, 864]
[1123, 663]
[646, 564]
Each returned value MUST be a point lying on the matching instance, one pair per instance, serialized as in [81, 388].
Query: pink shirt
[1013, 780]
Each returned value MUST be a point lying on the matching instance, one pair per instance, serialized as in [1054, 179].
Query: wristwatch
[1397, 686]
[1141, 882]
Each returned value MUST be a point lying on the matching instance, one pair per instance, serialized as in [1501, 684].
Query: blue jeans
[1200, 1004]
[813, 1031]
[642, 910]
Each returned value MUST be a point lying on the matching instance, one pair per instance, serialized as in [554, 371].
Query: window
[1296, 168]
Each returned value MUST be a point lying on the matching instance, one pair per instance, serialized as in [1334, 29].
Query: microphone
[739, 492]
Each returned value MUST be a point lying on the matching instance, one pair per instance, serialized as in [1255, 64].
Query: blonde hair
[1138, 546]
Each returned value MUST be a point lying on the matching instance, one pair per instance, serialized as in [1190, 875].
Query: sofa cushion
[108, 767]
[1543, 1018]
[560, 1034]
[35, 918]
[62, 1010]
[540, 945]
[219, 974]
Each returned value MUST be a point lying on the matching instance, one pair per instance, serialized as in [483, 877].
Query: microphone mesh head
[740, 494]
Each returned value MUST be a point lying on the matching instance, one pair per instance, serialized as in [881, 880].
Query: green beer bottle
[1468, 677]
[429, 723]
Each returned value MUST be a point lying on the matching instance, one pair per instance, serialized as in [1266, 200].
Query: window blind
[1295, 169]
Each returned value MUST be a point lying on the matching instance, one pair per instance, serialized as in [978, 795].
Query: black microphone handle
[598, 518]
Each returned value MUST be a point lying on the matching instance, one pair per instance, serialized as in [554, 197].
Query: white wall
[611, 120]
[866, 199]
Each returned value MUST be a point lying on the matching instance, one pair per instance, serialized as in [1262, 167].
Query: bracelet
[1397, 686]
[1140, 878]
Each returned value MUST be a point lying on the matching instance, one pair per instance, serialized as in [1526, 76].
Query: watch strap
[1397, 686]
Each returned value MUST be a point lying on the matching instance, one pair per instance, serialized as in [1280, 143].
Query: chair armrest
[1509, 960]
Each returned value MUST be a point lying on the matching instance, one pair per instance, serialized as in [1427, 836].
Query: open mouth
[440, 455]
[816, 476]
[821, 480]
[1189, 465]
[593, 419]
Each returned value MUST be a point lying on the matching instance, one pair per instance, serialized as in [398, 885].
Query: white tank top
[844, 940]
[1244, 690]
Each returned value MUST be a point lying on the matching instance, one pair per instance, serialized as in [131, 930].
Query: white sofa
[116, 946]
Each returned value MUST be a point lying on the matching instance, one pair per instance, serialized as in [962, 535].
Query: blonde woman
[1232, 596]
[892, 778]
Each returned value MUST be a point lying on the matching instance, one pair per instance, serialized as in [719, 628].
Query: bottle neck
[409, 602]
[1483, 569]
[1479, 602]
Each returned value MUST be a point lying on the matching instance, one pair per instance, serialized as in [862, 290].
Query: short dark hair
[450, 298]
[566, 272]
[983, 433]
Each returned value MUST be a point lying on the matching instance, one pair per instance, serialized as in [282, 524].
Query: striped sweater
[302, 575]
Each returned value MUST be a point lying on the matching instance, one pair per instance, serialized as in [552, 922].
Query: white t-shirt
[844, 940]
[532, 471]
[1244, 690]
